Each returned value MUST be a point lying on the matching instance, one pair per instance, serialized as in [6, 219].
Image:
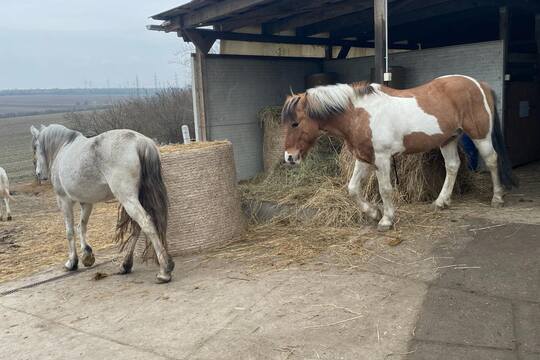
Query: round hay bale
[273, 138]
[204, 202]
[420, 177]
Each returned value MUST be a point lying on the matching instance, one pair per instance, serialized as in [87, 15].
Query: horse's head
[40, 160]
[301, 130]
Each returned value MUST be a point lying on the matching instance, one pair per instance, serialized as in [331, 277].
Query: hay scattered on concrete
[38, 234]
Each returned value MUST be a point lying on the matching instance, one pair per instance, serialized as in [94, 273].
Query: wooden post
[379, 22]
[503, 35]
[537, 36]
[198, 91]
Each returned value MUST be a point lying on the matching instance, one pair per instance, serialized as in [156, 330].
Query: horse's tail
[508, 180]
[153, 198]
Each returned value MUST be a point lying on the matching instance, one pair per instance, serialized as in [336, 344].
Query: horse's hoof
[88, 259]
[163, 278]
[126, 267]
[374, 214]
[384, 227]
[497, 203]
[9, 218]
[440, 205]
[71, 265]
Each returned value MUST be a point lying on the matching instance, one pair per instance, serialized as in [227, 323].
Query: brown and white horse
[377, 122]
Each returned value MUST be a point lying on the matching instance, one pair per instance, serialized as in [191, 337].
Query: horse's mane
[53, 137]
[323, 102]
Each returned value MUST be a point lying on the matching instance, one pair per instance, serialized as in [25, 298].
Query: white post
[185, 134]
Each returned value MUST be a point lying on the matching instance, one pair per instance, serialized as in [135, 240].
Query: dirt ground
[35, 239]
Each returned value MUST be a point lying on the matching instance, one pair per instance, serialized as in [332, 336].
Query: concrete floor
[474, 294]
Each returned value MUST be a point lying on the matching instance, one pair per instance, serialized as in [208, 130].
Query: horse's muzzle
[292, 159]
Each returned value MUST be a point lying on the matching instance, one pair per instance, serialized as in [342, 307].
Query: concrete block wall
[483, 61]
[237, 88]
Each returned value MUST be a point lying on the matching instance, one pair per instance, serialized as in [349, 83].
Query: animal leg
[127, 264]
[385, 189]
[361, 170]
[88, 258]
[66, 206]
[451, 163]
[488, 153]
[2, 211]
[8, 210]
[135, 210]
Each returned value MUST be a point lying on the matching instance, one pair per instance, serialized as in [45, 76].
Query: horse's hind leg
[361, 170]
[451, 163]
[88, 258]
[488, 153]
[135, 210]
[8, 209]
[66, 206]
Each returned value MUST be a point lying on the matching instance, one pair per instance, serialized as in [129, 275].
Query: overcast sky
[70, 43]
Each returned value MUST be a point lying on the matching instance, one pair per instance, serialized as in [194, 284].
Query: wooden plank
[316, 13]
[417, 12]
[205, 15]
[257, 16]
[379, 17]
[199, 77]
[504, 19]
[282, 39]
[202, 40]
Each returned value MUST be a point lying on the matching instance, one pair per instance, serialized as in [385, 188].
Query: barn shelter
[267, 47]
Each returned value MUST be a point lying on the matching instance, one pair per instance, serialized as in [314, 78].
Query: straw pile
[273, 138]
[205, 209]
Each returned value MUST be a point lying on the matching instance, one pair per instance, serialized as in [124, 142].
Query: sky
[88, 43]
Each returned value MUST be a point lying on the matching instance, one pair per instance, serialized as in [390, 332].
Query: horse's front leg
[88, 258]
[361, 171]
[382, 162]
[66, 205]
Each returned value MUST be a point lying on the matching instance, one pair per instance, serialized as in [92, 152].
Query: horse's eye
[295, 124]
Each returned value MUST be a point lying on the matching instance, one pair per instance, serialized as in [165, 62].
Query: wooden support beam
[257, 16]
[279, 39]
[379, 16]
[199, 68]
[504, 22]
[317, 12]
[415, 12]
[209, 13]
[202, 40]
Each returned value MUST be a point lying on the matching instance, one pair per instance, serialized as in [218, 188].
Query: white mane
[325, 101]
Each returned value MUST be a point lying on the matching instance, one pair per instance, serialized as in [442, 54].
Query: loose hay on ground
[39, 233]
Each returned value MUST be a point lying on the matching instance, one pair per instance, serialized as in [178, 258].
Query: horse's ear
[34, 131]
[42, 127]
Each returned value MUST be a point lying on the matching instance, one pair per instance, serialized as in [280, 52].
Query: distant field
[15, 143]
[14, 105]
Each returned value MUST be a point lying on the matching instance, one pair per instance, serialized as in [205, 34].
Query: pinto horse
[377, 122]
[121, 164]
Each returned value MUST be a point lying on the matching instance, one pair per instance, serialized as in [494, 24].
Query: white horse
[121, 164]
[4, 193]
